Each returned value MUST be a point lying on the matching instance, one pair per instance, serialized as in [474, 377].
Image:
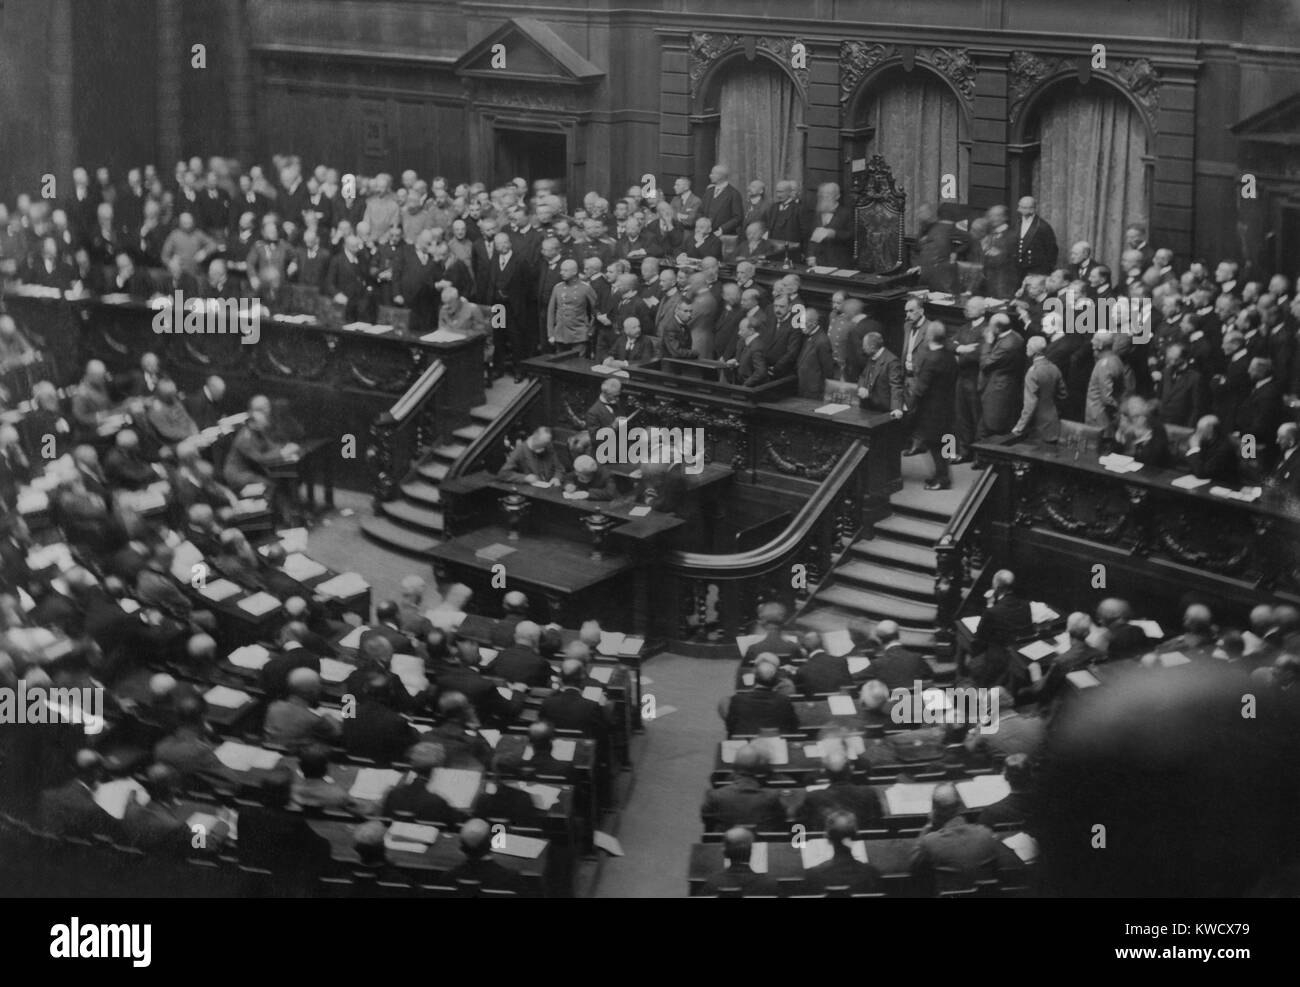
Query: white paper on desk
[457, 785]
[858, 664]
[595, 693]
[353, 637]
[1024, 846]
[747, 679]
[1253, 642]
[1150, 628]
[776, 749]
[817, 788]
[486, 656]
[128, 605]
[842, 706]
[372, 784]
[442, 336]
[1083, 679]
[28, 604]
[983, 790]
[818, 851]
[240, 757]
[250, 490]
[293, 540]
[1062, 642]
[909, 799]
[252, 656]
[747, 641]
[57, 555]
[222, 589]
[505, 693]
[333, 670]
[1038, 650]
[610, 641]
[639, 511]
[813, 751]
[729, 748]
[600, 368]
[226, 697]
[631, 647]
[1041, 613]
[831, 409]
[300, 567]
[1189, 482]
[403, 846]
[563, 749]
[544, 796]
[526, 847]
[602, 673]
[493, 737]
[415, 832]
[1171, 659]
[259, 604]
[343, 585]
[445, 619]
[30, 501]
[603, 841]
[972, 623]
[837, 643]
[113, 796]
[820, 269]
[758, 858]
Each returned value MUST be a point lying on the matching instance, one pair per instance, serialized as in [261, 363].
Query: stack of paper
[227, 698]
[300, 567]
[543, 796]
[1190, 482]
[776, 749]
[1038, 650]
[1024, 845]
[522, 846]
[30, 501]
[1083, 679]
[842, 706]
[1117, 463]
[610, 642]
[459, 787]
[983, 790]
[595, 693]
[1171, 659]
[493, 737]
[333, 670]
[639, 511]
[1150, 628]
[252, 656]
[242, 757]
[259, 604]
[114, 796]
[729, 748]
[372, 784]
[602, 673]
[343, 585]
[831, 409]
[909, 799]
[858, 664]
[631, 647]
[561, 749]
[222, 589]
[352, 639]
[818, 851]
[413, 832]
[971, 624]
[410, 669]
[1041, 613]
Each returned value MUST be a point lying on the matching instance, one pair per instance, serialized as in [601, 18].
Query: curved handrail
[419, 392]
[958, 525]
[492, 432]
[737, 565]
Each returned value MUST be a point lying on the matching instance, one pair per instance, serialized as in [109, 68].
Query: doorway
[531, 154]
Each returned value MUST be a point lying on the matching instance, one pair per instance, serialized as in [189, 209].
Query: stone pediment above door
[524, 50]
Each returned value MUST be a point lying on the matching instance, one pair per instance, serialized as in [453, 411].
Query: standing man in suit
[508, 281]
[998, 248]
[937, 246]
[880, 386]
[749, 366]
[686, 205]
[789, 224]
[969, 341]
[757, 208]
[1181, 393]
[1082, 263]
[347, 281]
[1262, 411]
[933, 392]
[1036, 241]
[830, 243]
[1110, 383]
[1044, 389]
[815, 365]
[1229, 389]
[895, 665]
[413, 282]
[1002, 367]
[722, 203]
[1285, 475]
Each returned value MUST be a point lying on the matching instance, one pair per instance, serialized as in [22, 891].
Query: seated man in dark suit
[521, 662]
[1126, 640]
[589, 481]
[821, 671]
[375, 656]
[1142, 435]
[753, 710]
[951, 851]
[541, 745]
[411, 796]
[191, 748]
[457, 733]
[374, 730]
[1011, 732]
[771, 618]
[744, 802]
[738, 875]
[271, 837]
[368, 842]
[568, 709]
[1198, 639]
[1013, 808]
[162, 826]
[71, 810]
[533, 460]
[1285, 476]
[516, 607]
[841, 794]
[895, 665]
[994, 659]
[292, 722]
[314, 788]
[662, 488]
[843, 870]
[479, 867]
[1049, 689]
[1211, 454]
[463, 675]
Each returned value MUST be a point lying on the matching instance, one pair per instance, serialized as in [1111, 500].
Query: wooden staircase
[890, 573]
[412, 523]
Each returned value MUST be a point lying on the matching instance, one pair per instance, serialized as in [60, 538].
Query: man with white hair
[1044, 387]
[830, 244]
[589, 481]
[788, 223]
[521, 662]
[721, 202]
[1110, 383]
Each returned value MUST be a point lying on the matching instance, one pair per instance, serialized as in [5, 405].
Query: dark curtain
[918, 126]
[760, 112]
[1088, 177]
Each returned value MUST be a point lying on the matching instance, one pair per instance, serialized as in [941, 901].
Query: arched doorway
[1089, 166]
[758, 112]
[916, 123]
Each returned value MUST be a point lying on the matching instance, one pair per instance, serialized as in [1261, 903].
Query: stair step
[907, 528]
[485, 412]
[435, 471]
[422, 492]
[451, 452]
[900, 553]
[396, 537]
[424, 519]
[897, 502]
[880, 606]
[886, 579]
[469, 433]
[833, 618]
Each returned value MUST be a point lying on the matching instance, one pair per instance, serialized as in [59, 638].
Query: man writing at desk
[533, 461]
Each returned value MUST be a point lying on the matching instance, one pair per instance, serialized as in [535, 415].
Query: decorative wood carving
[859, 58]
[1027, 71]
[706, 48]
[878, 219]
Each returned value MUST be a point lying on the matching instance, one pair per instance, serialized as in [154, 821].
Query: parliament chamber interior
[679, 449]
